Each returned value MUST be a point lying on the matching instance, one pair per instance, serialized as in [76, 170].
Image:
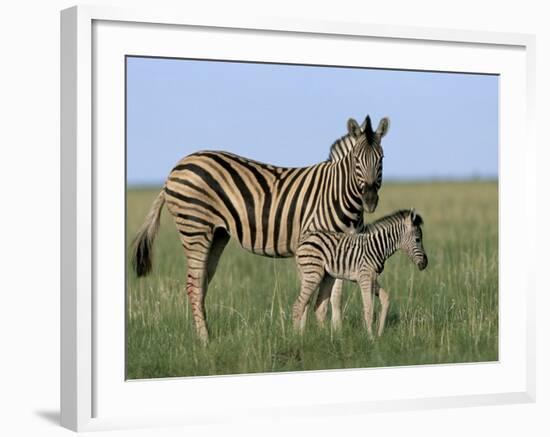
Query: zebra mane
[391, 219]
[341, 147]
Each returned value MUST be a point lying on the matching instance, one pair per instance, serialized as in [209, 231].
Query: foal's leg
[385, 304]
[336, 304]
[310, 282]
[366, 282]
[303, 320]
[321, 305]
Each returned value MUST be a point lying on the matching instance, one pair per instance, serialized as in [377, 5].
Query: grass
[445, 314]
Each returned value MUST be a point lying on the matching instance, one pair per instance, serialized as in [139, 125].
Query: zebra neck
[341, 147]
[346, 191]
[384, 241]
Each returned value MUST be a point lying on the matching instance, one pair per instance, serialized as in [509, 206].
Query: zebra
[339, 149]
[213, 195]
[322, 257]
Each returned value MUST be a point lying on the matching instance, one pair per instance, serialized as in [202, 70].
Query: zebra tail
[142, 246]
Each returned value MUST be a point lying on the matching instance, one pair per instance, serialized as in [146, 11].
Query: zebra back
[265, 208]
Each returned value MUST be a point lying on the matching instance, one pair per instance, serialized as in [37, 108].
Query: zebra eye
[417, 240]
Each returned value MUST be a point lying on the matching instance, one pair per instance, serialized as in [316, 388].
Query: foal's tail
[142, 246]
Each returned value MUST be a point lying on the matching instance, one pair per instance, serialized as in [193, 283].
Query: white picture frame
[92, 390]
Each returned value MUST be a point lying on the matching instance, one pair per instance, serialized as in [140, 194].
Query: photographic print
[284, 217]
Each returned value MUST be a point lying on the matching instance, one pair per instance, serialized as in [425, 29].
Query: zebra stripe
[322, 257]
[213, 195]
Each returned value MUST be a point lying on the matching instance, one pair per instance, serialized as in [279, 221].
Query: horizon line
[404, 180]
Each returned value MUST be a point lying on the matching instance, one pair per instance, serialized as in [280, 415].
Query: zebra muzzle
[423, 263]
[370, 201]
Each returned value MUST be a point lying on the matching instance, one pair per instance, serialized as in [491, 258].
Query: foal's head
[411, 241]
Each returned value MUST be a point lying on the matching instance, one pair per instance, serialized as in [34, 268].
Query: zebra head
[368, 155]
[411, 240]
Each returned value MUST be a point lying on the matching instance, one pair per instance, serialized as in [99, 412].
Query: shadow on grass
[392, 319]
[284, 358]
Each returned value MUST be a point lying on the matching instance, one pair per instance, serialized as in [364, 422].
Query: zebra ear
[353, 128]
[383, 127]
[416, 220]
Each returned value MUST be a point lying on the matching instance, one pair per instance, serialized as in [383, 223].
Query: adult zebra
[214, 195]
[338, 151]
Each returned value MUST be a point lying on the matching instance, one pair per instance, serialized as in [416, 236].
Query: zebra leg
[197, 245]
[366, 282]
[385, 304]
[321, 306]
[336, 304]
[309, 285]
[196, 291]
[303, 320]
[220, 240]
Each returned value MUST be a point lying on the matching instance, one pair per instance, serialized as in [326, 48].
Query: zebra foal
[323, 257]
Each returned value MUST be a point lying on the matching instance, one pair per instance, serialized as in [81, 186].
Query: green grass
[445, 314]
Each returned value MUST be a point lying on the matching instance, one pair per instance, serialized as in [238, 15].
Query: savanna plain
[447, 313]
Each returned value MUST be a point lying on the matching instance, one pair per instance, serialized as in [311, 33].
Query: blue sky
[443, 125]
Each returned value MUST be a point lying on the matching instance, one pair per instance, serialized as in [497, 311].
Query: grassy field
[445, 314]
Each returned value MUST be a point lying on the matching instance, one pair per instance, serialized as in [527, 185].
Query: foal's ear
[353, 128]
[416, 219]
[383, 127]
